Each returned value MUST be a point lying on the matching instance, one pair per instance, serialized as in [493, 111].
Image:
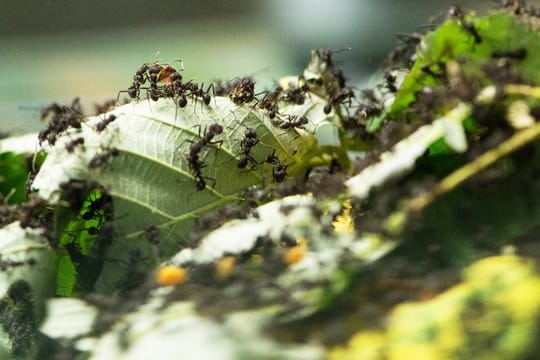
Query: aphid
[70, 146]
[248, 142]
[170, 275]
[100, 159]
[279, 170]
[294, 122]
[103, 124]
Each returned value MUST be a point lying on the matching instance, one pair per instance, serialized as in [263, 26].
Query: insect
[295, 95]
[279, 170]
[269, 102]
[343, 95]
[471, 29]
[194, 161]
[243, 92]
[139, 79]
[103, 124]
[59, 119]
[104, 107]
[294, 122]
[96, 206]
[70, 146]
[100, 159]
[249, 141]
[390, 81]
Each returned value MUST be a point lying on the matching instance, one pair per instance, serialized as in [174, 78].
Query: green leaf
[500, 33]
[151, 180]
[13, 175]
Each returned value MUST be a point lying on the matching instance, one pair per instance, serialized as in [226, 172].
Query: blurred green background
[56, 50]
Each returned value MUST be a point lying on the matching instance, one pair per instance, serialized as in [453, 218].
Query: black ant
[105, 106]
[103, 124]
[70, 146]
[195, 148]
[100, 159]
[75, 192]
[139, 79]
[94, 207]
[248, 142]
[404, 53]
[458, 13]
[295, 95]
[471, 29]
[60, 118]
[294, 122]
[279, 170]
[390, 81]
[343, 95]
[269, 102]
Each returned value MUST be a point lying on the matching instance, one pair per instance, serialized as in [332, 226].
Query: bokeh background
[56, 50]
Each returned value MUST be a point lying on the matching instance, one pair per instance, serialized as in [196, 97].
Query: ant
[344, 94]
[60, 119]
[95, 206]
[70, 146]
[390, 81]
[103, 124]
[105, 106]
[269, 102]
[248, 142]
[139, 79]
[458, 13]
[471, 29]
[295, 95]
[294, 122]
[279, 170]
[195, 148]
[100, 159]
[243, 92]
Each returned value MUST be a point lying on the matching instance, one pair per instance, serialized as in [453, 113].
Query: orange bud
[170, 275]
